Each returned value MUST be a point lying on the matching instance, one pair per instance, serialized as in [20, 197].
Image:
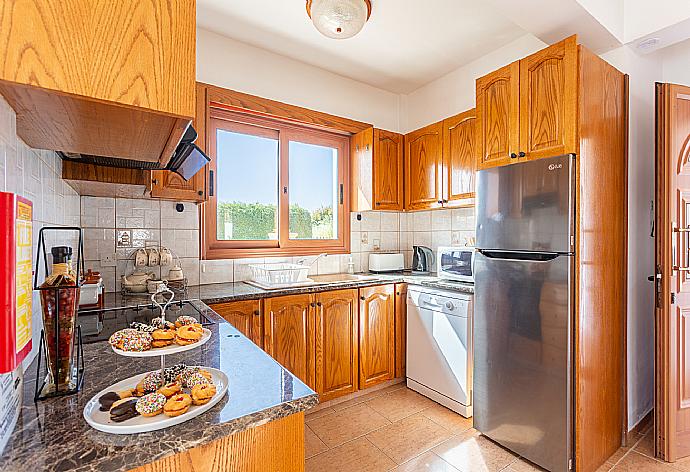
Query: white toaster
[382, 262]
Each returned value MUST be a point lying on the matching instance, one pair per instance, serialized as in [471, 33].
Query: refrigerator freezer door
[527, 206]
[522, 339]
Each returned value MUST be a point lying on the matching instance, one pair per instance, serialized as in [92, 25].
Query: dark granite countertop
[228, 292]
[53, 435]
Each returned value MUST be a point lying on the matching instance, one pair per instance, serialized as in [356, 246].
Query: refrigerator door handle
[520, 256]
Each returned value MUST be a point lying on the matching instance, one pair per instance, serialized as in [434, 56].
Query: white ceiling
[405, 44]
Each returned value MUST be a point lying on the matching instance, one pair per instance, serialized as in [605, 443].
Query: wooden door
[400, 329]
[376, 335]
[459, 158]
[244, 315]
[423, 156]
[673, 272]
[336, 343]
[388, 170]
[548, 101]
[289, 334]
[168, 185]
[498, 128]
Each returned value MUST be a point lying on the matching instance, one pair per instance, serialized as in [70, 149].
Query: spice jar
[59, 301]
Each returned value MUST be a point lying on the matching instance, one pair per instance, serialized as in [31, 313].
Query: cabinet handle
[378, 203]
[513, 155]
[362, 298]
[445, 201]
[200, 192]
[440, 202]
[210, 183]
[312, 304]
[318, 303]
[154, 181]
[257, 312]
[522, 154]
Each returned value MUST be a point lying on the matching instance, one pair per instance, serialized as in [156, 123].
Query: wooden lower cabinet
[400, 329]
[245, 316]
[289, 334]
[376, 335]
[335, 342]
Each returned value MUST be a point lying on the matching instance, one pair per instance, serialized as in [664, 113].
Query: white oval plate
[100, 420]
[163, 351]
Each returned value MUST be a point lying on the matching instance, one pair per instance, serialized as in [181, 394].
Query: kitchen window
[278, 188]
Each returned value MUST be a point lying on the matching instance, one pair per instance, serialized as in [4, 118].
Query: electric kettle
[422, 260]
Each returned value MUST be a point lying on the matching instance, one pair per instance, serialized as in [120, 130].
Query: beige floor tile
[427, 462]
[470, 451]
[646, 445]
[358, 455]
[449, 419]
[635, 462]
[522, 465]
[400, 403]
[345, 425]
[408, 438]
[367, 397]
[309, 416]
[312, 444]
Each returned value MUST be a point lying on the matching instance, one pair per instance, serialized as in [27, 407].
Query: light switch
[365, 237]
[377, 244]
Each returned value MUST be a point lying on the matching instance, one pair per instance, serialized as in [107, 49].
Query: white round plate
[100, 420]
[164, 351]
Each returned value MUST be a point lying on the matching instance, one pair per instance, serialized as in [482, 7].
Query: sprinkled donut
[118, 337]
[186, 321]
[137, 342]
[151, 382]
[143, 327]
[151, 404]
[196, 379]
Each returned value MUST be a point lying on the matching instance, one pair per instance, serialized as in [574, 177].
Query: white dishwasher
[439, 346]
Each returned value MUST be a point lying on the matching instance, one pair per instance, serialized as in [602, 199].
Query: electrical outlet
[108, 260]
[365, 238]
[455, 238]
[377, 244]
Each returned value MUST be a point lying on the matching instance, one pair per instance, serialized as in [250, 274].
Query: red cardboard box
[16, 286]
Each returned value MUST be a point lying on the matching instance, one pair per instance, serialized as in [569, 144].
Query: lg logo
[555, 166]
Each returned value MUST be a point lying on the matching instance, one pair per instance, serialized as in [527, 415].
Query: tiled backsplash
[36, 175]
[153, 221]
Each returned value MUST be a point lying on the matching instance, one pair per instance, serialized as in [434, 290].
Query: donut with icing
[186, 321]
[151, 404]
[123, 410]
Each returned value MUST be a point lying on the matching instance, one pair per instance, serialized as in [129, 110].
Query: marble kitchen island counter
[53, 435]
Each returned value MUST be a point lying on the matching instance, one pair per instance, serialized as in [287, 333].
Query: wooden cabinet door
[376, 335]
[459, 158]
[169, 185]
[289, 334]
[388, 170]
[423, 156]
[336, 343]
[548, 101]
[498, 96]
[245, 316]
[400, 329]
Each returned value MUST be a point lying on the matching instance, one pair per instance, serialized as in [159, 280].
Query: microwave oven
[456, 263]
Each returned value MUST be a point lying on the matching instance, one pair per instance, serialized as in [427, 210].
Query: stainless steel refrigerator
[523, 318]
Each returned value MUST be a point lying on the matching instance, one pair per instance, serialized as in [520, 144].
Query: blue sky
[248, 171]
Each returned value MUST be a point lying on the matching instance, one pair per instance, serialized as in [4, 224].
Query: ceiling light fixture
[339, 19]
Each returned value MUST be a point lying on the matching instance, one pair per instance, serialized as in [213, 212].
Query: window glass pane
[246, 186]
[313, 175]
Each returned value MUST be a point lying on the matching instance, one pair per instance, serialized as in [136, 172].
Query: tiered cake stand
[100, 420]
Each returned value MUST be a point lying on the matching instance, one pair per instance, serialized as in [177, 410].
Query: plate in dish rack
[164, 351]
[100, 420]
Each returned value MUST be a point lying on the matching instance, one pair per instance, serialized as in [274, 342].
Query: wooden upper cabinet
[498, 98]
[548, 101]
[376, 170]
[245, 316]
[100, 77]
[289, 334]
[376, 335]
[423, 167]
[388, 170]
[336, 343]
[459, 158]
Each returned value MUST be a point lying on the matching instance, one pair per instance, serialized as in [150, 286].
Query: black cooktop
[99, 325]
